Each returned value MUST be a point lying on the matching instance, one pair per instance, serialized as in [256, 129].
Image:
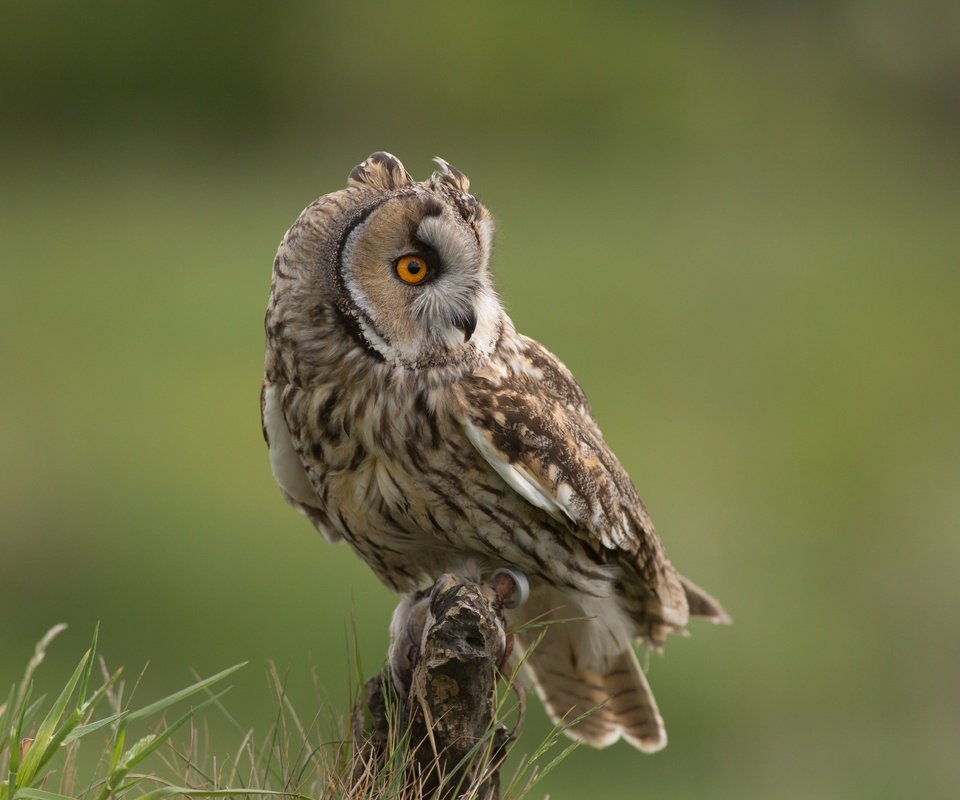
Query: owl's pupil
[413, 267]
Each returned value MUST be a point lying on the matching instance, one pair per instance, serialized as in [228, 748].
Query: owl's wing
[534, 426]
[287, 465]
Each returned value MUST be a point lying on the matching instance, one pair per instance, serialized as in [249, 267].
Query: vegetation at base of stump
[152, 751]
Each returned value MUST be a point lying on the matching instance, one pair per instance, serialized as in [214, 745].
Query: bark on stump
[440, 684]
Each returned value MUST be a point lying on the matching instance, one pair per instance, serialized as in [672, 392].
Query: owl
[406, 416]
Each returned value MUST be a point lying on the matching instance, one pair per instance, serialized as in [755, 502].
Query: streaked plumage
[412, 421]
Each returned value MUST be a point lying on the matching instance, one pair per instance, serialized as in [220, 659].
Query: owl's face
[404, 264]
[416, 270]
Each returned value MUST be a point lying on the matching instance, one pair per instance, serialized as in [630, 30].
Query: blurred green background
[737, 222]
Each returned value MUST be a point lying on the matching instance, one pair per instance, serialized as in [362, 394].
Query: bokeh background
[737, 222]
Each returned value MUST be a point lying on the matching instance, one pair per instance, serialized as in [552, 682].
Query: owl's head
[401, 266]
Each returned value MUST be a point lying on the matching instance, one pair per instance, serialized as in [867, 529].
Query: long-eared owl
[406, 416]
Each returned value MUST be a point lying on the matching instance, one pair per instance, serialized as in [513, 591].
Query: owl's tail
[586, 673]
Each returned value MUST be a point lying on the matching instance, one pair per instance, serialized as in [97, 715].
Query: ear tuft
[451, 176]
[380, 171]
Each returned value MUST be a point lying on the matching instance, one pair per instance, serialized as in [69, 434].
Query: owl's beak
[466, 321]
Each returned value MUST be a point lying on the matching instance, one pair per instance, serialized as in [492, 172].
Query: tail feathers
[575, 699]
[632, 704]
[602, 697]
[702, 604]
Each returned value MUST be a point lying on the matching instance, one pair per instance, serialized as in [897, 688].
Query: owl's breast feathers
[531, 421]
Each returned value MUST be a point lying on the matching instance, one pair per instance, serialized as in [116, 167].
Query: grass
[138, 753]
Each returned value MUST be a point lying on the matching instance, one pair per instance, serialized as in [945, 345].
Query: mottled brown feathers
[380, 171]
[537, 417]
[450, 175]
[415, 424]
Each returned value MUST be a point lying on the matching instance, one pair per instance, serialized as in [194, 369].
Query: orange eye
[412, 269]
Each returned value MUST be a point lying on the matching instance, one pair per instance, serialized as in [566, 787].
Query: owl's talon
[504, 664]
[511, 585]
[443, 584]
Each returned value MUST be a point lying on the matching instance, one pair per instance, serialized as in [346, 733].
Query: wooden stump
[436, 696]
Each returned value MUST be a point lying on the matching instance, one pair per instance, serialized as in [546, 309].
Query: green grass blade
[44, 740]
[83, 730]
[280, 687]
[57, 740]
[135, 755]
[6, 713]
[176, 697]
[31, 710]
[85, 682]
[14, 738]
[119, 739]
[39, 794]
[167, 791]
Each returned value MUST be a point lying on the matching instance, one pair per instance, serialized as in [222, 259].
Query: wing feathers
[287, 466]
[532, 424]
[702, 604]
[516, 476]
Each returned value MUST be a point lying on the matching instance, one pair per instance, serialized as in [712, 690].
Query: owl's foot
[511, 586]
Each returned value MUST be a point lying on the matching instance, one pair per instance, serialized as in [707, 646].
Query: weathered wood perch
[439, 686]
